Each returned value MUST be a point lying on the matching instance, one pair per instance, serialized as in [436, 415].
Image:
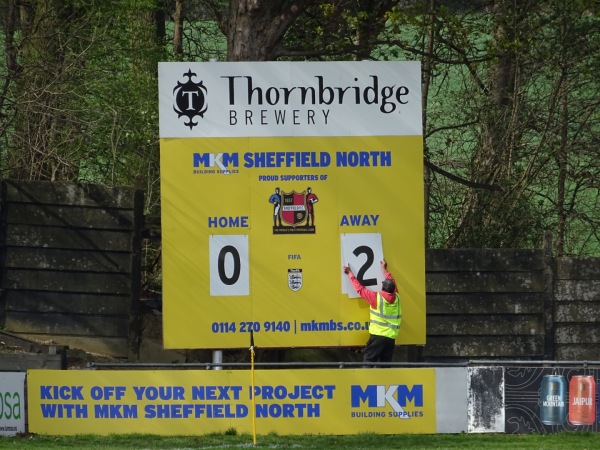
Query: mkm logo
[396, 396]
[221, 160]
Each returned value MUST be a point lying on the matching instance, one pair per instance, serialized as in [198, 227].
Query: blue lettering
[287, 159]
[248, 160]
[203, 393]
[116, 411]
[356, 220]
[107, 392]
[185, 410]
[210, 392]
[230, 159]
[54, 410]
[378, 396]
[221, 160]
[61, 392]
[228, 222]
[386, 159]
[358, 395]
[45, 393]
[364, 158]
[201, 160]
[288, 410]
[162, 411]
[415, 394]
[160, 392]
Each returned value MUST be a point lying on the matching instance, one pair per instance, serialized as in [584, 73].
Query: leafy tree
[79, 97]
[509, 96]
[508, 107]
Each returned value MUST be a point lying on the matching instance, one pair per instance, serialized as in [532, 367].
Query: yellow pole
[252, 388]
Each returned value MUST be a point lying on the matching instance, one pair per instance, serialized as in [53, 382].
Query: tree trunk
[256, 27]
[12, 66]
[41, 125]
[486, 216]
[178, 30]
[563, 149]
[428, 49]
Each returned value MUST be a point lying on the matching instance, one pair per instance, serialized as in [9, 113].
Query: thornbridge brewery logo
[190, 99]
[295, 279]
[293, 212]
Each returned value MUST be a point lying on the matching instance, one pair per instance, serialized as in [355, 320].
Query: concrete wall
[70, 271]
[511, 304]
[577, 309]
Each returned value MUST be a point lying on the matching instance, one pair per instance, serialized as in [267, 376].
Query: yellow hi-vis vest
[386, 318]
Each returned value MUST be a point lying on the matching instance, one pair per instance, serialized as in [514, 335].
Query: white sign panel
[12, 403]
[364, 253]
[229, 269]
[232, 99]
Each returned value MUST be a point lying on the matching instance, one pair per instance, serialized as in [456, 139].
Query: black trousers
[379, 349]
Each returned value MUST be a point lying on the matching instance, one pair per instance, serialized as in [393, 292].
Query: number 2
[362, 251]
[360, 275]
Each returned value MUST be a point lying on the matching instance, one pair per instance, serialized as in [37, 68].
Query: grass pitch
[231, 439]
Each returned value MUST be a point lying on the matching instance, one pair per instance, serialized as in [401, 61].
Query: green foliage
[334, 30]
[85, 101]
[510, 107]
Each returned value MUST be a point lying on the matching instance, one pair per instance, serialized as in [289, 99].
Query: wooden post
[2, 251]
[136, 274]
[548, 298]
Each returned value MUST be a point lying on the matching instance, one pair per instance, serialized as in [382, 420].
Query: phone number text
[284, 326]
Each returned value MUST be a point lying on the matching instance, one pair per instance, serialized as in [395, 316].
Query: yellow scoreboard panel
[273, 176]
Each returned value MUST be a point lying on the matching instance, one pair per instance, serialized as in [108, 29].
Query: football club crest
[295, 279]
[293, 210]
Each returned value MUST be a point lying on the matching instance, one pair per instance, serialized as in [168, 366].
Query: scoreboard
[274, 175]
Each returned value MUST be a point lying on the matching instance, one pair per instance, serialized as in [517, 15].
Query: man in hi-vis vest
[385, 316]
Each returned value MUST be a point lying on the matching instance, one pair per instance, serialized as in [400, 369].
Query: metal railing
[337, 364]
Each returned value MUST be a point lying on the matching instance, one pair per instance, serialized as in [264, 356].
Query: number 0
[229, 266]
[229, 249]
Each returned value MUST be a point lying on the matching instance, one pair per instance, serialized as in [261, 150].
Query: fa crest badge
[295, 279]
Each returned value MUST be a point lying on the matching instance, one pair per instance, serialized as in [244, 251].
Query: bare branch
[471, 184]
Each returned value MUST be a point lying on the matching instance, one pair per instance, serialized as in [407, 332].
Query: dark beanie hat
[388, 286]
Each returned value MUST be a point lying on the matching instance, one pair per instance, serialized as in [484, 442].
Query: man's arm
[388, 275]
[369, 296]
